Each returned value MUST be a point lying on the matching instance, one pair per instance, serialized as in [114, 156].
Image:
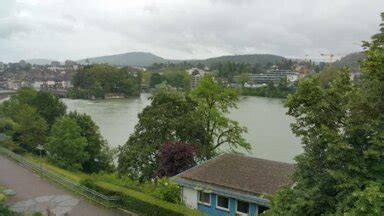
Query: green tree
[66, 146]
[243, 78]
[155, 79]
[170, 117]
[96, 80]
[214, 102]
[342, 130]
[48, 106]
[23, 96]
[100, 156]
[31, 129]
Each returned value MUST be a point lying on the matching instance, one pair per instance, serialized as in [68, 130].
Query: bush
[4, 210]
[167, 191]
[9, 144]
[139, 202]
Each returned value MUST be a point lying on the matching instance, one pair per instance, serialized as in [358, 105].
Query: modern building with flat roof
[232, 184]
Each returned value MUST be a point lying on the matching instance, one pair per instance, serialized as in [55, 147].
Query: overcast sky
[177, 29]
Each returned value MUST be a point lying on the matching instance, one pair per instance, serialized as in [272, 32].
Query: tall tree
[66, 146]
[169, 117]
[31, 129]
[342, 130]
[100, 156]
[48, 106]
[214, 103]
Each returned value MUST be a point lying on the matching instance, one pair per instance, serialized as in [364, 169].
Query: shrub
[4, 210]
[167, 190]
[139, 202]
[8, 143]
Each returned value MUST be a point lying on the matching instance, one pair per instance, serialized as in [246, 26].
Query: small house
[233, 184]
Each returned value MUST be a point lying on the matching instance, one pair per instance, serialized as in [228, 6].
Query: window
[222, 202]
[261, 209]
[242, 208]
[204, 198]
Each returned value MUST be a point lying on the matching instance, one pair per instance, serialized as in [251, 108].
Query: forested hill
[142, 59]
[351, 60]
[146, 59]
[261, 59]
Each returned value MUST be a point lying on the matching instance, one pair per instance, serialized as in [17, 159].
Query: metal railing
[107, 201]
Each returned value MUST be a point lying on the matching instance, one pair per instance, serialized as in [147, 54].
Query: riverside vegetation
[188, 129]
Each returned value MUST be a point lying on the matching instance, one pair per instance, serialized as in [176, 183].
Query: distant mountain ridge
[351, 60]
[145, 59]
[142, 59]
[247, 59]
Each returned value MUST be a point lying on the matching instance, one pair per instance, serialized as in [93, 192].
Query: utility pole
[330, 55]
[41, 148]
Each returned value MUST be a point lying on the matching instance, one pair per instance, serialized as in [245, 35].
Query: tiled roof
[237, 172]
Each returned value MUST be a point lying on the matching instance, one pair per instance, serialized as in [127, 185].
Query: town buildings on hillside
[16, 75]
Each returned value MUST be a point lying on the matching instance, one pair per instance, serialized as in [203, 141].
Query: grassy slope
[78, 176]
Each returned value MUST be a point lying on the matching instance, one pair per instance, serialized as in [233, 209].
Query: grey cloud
[187, 29]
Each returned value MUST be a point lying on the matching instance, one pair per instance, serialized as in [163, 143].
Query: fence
[107, 201]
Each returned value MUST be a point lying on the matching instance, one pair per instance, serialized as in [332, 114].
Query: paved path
[32, 193]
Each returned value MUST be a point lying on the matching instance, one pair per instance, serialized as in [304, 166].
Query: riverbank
[268, 91]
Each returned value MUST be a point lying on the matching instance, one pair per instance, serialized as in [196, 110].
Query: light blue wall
[213, 211]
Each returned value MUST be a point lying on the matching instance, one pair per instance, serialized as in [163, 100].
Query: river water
[269, 130]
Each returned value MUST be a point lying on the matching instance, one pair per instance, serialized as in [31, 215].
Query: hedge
[142, 203]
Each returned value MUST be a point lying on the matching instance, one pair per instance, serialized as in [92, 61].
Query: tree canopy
[100, 157]
[341, 125]
[197, 119]
[97, 80]
[66, 146]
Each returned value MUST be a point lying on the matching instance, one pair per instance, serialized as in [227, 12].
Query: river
[269, 130]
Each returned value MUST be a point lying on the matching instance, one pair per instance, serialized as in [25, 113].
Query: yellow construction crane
[330, 55]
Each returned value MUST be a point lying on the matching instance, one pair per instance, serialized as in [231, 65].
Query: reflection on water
[268, 127]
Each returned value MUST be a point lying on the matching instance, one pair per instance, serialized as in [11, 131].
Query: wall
[189, 196]
[212, 210]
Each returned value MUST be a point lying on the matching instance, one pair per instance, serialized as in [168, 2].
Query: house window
[222, 202]
[242, 208]
[204, 198]
[261, 209]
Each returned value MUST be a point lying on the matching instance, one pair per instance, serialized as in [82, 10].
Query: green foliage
[31, 129]
[327, 75]
[100, 156]
[214, 102]
[167, 190]
[8, 143]
[97, 80]
[175, 77]
[197, 119]
[169, 117]
[243, 78]
[66, 146]
[48, 106]
[4, 210]
[155, 79]
[342, 129]
[28, 115]
[142, 203]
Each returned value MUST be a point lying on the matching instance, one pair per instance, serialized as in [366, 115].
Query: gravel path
[34, 194]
